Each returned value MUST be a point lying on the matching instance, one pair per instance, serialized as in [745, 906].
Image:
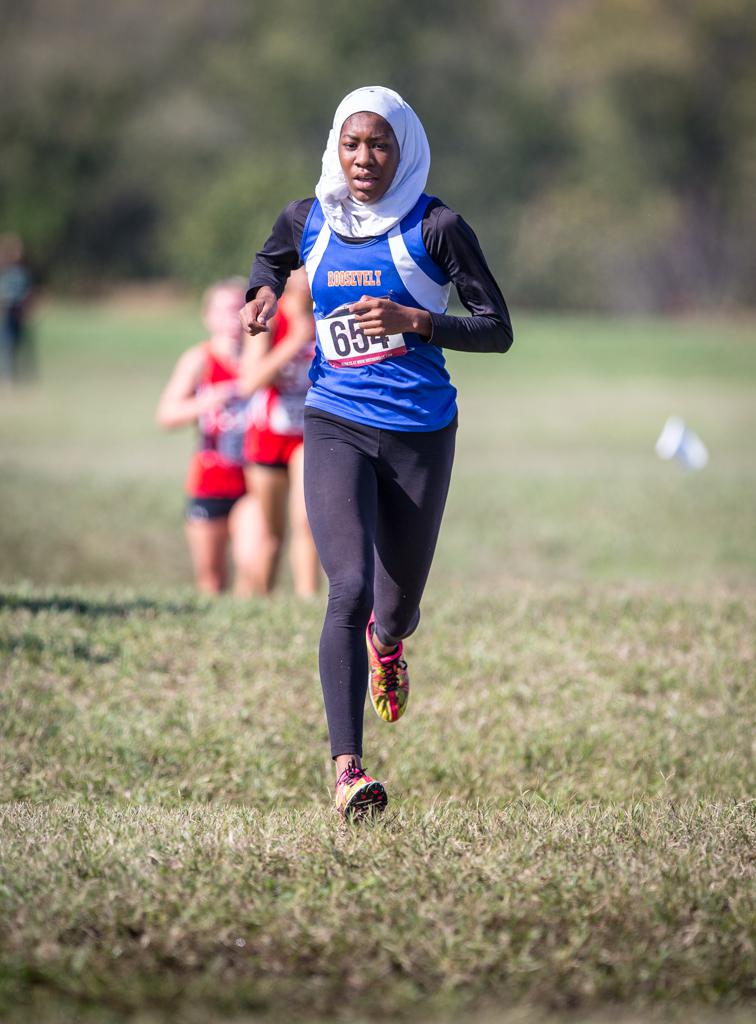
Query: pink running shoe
[389, 680]
[357, 795]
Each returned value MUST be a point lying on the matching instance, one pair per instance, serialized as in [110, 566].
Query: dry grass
[570, 822]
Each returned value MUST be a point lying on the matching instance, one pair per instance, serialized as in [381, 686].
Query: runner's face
[369, 155]
[222, 313]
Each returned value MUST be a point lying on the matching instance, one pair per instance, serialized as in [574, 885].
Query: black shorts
[200, 510]
[270, 465]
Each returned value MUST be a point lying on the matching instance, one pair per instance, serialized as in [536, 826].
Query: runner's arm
[280, 254]
[179, 403]
[452, 244]
[272, 266]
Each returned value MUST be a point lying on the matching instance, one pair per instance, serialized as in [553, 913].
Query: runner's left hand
[379, 316]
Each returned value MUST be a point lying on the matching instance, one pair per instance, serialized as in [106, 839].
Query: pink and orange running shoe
[357, 795]
[389, 679]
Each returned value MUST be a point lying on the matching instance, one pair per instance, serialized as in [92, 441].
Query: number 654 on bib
[344, 344]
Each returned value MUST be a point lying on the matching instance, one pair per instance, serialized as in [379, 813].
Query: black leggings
[375, 499]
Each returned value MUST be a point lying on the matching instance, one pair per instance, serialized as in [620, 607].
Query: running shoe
[389, 679]
[357, 795]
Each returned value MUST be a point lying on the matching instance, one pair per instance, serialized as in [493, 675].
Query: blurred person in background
[275, 372]
[203, 390]
[381, 414]
[15, 299]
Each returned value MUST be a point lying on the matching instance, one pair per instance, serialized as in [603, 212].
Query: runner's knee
[395, 626]
[350, 600]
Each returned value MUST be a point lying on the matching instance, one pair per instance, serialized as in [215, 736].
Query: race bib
[224, 429]
[344, 344]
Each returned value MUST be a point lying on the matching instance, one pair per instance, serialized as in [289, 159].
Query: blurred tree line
[604, 150]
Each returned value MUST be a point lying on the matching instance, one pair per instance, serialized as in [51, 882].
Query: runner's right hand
[257, 313]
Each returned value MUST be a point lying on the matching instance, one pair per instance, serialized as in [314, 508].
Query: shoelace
[390, 674]
[351, 773]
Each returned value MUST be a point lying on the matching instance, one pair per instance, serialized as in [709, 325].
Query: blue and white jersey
[408, 391]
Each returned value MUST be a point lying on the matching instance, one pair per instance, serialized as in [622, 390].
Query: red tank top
[216, 469]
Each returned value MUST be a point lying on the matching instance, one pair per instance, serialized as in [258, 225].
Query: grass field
[572, 826]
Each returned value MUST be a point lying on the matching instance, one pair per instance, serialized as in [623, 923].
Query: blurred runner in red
[203, 389]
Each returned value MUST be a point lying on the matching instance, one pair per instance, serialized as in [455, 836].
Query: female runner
[203, 389]
[381, 415]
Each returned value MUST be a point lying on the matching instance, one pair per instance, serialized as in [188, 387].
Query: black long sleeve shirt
[449, 241]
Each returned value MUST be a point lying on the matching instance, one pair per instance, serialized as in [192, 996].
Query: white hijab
[347, 215]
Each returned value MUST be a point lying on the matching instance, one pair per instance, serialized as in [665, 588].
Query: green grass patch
[571, 829]
[556, 476]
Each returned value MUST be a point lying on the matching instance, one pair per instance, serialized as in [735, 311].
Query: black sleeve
[451, 243]
[280, 254]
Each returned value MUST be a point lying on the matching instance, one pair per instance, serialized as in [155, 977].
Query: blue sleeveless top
[409, 392]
